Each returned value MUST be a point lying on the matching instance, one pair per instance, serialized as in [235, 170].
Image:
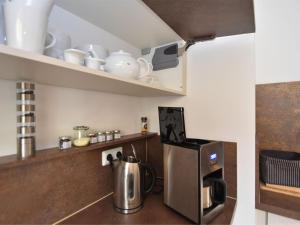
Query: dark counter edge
[278, 210]
[225, 218]
[11, 161]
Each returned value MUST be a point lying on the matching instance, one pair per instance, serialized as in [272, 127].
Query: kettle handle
[220, 187]
[148, 168]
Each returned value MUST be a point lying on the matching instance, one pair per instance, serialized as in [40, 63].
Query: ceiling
[130, 20]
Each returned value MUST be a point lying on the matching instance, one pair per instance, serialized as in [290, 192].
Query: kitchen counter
[154, 212]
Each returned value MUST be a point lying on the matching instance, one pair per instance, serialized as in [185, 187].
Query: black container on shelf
[280, 167]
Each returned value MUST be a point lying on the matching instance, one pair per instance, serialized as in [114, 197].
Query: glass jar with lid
[93, 137]
[109, 136]
[81, 136]
[101, 136]
[117, 134]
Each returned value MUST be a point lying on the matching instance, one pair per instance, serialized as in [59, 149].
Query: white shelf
[17, 64]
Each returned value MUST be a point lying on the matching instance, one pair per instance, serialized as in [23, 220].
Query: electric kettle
[130, 185]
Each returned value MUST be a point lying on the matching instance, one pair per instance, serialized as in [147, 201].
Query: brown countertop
[154, 212]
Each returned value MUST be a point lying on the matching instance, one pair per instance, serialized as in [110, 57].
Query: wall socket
[113, 152]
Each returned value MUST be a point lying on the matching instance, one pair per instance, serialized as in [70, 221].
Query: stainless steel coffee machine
[193, 170]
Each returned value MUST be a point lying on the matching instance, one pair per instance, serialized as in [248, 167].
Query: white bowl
[74, 56]
[93, 63]
[95, 51]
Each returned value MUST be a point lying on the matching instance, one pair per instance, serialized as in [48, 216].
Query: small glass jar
[80, 136]
[117, 134]
[109, 136]
[65, 142]
[80, 132]
[101, 137]
[93, 137]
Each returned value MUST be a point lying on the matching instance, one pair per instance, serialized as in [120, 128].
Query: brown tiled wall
[278, 128]
[45, 192]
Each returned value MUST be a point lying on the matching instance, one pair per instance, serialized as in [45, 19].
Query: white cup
[94, 63]
[74, 56]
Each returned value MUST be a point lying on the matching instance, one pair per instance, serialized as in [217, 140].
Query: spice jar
[65, 142]
[101, 137]
[144, 125]
[80, 136]
[109, 136]
[93, 137]
[117, 134]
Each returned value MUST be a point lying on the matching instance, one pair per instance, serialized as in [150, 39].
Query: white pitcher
[26, 24]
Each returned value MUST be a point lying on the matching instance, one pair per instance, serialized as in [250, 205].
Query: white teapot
[123, 64]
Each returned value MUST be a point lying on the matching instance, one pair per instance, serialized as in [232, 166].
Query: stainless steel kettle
[130, 184]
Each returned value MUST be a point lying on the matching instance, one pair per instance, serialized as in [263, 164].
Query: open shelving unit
[17, 64]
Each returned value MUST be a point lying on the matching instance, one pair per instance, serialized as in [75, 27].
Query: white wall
[277, 40]
[220, 105]
[277, 49]
[83, 32]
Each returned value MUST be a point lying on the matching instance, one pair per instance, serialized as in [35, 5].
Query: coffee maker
[194, 182]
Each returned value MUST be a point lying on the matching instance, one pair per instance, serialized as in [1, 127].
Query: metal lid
[108, 132]
[116, 131]
[65, 138]
[81, 128]
[101, 133]
[92, 134]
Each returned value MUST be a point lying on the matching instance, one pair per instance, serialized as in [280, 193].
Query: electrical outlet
[113, 152]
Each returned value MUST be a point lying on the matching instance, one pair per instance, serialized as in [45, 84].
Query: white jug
[26, 24]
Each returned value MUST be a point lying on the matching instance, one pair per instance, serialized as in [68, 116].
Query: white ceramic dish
[74, 56]
[123, 64]
[93, 63]
[94, 50]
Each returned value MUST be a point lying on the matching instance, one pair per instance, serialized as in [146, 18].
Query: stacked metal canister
[25, 119]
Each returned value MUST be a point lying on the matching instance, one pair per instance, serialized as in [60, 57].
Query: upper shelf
[17, 64]
[130, 20]
[193, 19]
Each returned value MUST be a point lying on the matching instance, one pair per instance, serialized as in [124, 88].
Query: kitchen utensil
[93, 137]
[26, 24]
[123, 64]
[214, 192]
[101, 136]
[80, 136]
[134, 152]
[63, 42]
[26, 118]
[64, 142]
[25, 130]
[26, 147]
[130, 184]
[25, 108]
[117, 134]
[74, 56]
[93, 63]
[94, 50]
[109, 136]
